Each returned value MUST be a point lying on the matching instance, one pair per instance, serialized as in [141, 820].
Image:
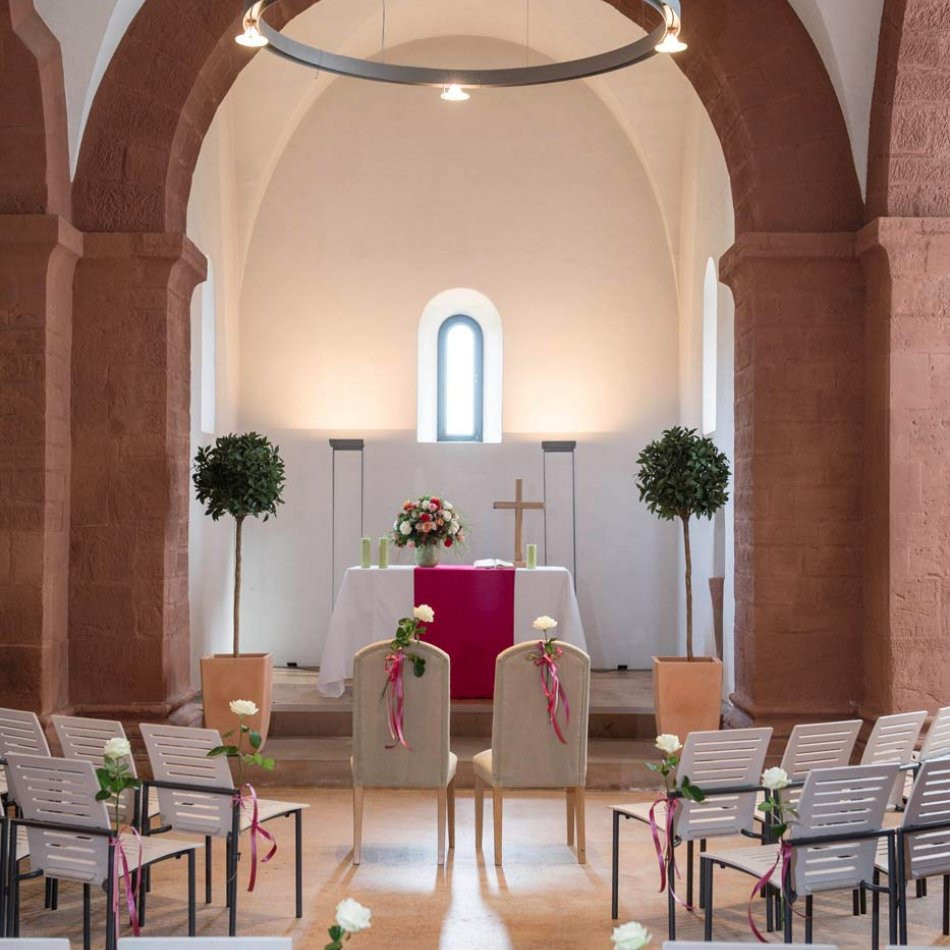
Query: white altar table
[372, 601]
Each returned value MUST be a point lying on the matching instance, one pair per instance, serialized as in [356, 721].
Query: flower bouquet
[408, 631]
[426, 525]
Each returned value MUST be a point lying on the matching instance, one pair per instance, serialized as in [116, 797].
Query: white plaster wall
[386, 196]
[707, 232]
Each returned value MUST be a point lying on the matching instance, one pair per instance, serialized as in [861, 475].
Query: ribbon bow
[396, 697]
[120, 871]
[551, 684]
[245, 800]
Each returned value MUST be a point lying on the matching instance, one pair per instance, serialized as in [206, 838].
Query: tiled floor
[541, 898]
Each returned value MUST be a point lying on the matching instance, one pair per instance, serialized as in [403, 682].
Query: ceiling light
[454, 93]
[251, 36]
[671, 43]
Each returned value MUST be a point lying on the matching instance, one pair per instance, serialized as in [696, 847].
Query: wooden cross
[519, 506]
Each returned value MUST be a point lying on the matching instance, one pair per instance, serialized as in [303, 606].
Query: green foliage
[237, 751]
[667, 768]
[239, 475]
[114, 779]
[408, 630]
[683, 474]
[337, 933]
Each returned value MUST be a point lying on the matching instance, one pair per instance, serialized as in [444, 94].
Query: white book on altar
[493, 562]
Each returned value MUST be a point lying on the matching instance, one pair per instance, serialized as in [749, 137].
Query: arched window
[710, 345]
[460, 368]
[460, 380]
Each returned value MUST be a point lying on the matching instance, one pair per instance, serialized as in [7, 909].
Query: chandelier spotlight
[454, 83]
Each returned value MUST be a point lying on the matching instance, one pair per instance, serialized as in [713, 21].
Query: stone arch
[175, 64]
[34, 150]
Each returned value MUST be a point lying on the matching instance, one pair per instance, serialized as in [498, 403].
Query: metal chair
[428, 763]
[723, 760]
[82, 738]
[196, 795]
[833, 845]
[525, 752]
[924, 838]
[70, 837]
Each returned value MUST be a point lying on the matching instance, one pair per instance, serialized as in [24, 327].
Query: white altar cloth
[372, 601]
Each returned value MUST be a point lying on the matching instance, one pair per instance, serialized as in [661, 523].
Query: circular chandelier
[664, 38]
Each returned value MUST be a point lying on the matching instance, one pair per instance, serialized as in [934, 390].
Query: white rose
[406, 528]
[453, 527]
[447, 505]
[668, 743]
[423, 613]
[243, 707]
[117, 748]
[775, 778]
[544, 623]
[630, 936]
[352, 916]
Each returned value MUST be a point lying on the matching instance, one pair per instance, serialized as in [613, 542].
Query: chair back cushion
[526, 753]
[180, 754]
[937, 743]
[61, 791]
[425, 764]
[848, 800]
[928, 851]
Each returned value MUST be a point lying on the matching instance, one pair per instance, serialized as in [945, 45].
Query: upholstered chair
[377, 761]
[525, 751]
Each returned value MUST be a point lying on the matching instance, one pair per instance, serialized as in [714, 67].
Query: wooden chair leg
[496, 818]
[569, 796]
[581, 830]
[479, 812]
[357, 824]
[441, 819]
[451, 806]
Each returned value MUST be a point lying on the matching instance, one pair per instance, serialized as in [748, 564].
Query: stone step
[325, 762]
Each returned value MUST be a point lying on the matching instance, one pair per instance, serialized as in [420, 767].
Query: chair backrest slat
[61, 791]
[848, 800]
[425, 764]
[22, 734]
[180, 754]
[526, 753]
[928, 852]
[721, 759]
[937, 743]
[818, 745]
[893, 739]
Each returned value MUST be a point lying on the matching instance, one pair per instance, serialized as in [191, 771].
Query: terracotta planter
[225, 677]
[687, 694]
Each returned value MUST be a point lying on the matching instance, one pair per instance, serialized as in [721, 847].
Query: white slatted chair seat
[34, 943]
[180, 754]
[84, 738]
[267, 808]
[694, 945]
[208, 943]
[641, 811]
[893, 740]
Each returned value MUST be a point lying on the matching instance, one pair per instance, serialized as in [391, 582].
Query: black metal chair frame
[232, 844]
[13, 878]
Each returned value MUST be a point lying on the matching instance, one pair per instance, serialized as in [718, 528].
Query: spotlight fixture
[663, 38]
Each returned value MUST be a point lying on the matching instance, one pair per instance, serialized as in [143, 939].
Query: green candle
[384, 552]
[532, 556]
[366, 553]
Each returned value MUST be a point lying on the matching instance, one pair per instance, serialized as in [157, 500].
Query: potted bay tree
[682, 475]
[241, 476]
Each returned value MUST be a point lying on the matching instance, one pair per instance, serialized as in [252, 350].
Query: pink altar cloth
[474, 621]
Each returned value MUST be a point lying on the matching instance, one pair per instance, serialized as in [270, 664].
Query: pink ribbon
[256, 829]
[120, 871]
[396, 697]
[784, 858]
[553, 690]
[667, 854]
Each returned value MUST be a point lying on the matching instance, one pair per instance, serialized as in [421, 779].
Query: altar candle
[366, 553]
[532, 556]
[384, 552]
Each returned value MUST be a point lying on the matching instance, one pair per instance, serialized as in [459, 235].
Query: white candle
[384, 552]
[532, 556]
[366, 553]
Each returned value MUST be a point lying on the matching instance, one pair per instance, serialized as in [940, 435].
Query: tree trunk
[237, 585]
[689, 591]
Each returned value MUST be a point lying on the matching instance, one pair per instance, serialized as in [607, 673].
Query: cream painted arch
[474, 304]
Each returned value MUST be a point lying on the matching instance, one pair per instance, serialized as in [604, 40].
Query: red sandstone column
[128, 598]
[907, 563]
[37, 258]
[798, 466]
